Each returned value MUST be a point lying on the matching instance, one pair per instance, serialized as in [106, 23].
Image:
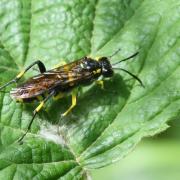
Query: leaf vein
[93, 24]
[118, 30]
[158, 84]
[29, 33]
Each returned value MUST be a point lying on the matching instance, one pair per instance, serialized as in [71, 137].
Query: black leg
[35, 113]
[41, 67]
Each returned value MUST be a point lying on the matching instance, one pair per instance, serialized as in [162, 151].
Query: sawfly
[62, 80]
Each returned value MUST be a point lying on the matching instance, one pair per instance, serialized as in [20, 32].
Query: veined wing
[34, 86]
[49, 80]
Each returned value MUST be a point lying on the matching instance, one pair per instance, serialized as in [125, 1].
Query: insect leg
[35, 113]
[41, 67]
[73, 103]
[101, 83]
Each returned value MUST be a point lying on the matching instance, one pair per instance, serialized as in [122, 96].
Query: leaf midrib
[29, 36]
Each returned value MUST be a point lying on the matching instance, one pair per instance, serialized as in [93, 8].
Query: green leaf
[157, 160]
[106, 124]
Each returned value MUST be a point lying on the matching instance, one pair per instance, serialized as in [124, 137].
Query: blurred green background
[156, 158]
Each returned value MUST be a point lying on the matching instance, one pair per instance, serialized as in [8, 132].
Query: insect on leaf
[106, 124]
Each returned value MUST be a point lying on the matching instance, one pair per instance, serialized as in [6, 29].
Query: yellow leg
[18, 77]
[39, 107]
[43, 102]
[35, 112]
[72, 105]
[29, 126]
[40, 66]
[60, 64]
[101, 83]
[20, 74]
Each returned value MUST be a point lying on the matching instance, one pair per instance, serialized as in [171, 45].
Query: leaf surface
[106, 124]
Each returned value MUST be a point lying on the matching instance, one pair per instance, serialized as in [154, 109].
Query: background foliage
[106, 124]
[157, 157]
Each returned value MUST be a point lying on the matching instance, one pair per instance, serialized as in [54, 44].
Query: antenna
[114, 53]
[130, 57]
[134, 76]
